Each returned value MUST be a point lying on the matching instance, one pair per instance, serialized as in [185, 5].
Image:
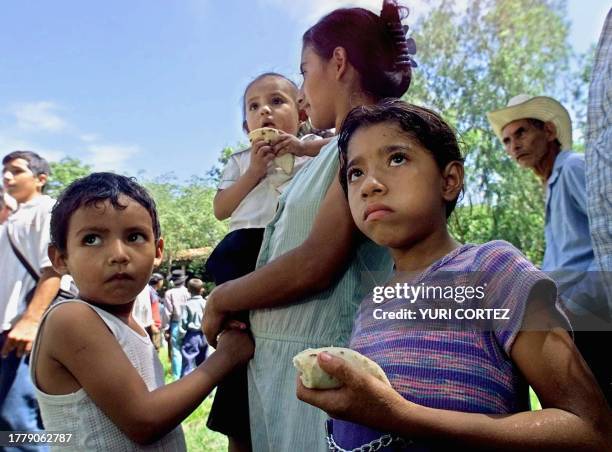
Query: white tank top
[77, 413]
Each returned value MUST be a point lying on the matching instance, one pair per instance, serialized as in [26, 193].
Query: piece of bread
[268, 134]
[314, 377]
[285, 162]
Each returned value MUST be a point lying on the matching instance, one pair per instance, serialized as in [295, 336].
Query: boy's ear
[42, 181]
[452, 178]
[159, 252]
[58, 260]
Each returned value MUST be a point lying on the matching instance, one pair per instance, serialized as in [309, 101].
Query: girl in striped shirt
[454, 380]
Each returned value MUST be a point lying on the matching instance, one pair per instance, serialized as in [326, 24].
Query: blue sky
[156, 86]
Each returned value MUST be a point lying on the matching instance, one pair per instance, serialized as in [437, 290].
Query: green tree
[214, 174]
[474, 62]
[186, 213]
[63, 173]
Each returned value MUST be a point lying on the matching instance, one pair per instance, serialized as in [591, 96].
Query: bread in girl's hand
[268, 134]
[314, 377]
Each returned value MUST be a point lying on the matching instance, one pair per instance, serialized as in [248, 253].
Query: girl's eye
[137, 237]
[278, 101]
[397, 159]
[92, 240]
[353, 174]
[253, 107]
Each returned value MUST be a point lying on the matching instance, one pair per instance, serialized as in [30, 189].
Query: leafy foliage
[186, 213]
[63, 173]
[474, 62]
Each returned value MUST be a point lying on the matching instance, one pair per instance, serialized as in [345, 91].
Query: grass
[199, 438]
[533, 400]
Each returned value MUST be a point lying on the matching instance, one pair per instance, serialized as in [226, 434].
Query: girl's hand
[288, 144]
[261, 155]
[362, 399]
[214, 319]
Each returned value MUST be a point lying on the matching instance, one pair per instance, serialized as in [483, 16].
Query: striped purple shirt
[451, 364]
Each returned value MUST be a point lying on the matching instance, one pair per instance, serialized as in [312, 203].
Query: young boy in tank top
[96, 372]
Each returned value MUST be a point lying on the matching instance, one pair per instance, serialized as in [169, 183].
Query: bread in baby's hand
[314, 377]
[268, 134]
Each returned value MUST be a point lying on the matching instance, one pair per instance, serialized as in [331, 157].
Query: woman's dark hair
[90, 190]
[421, 124]
[375, 46]
[255, 80]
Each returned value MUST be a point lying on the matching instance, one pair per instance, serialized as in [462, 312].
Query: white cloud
[110, 157]
[27, 119]
[39, 116]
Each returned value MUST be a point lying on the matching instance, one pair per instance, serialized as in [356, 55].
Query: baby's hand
[288, 144]
[261, 155]
[236, 344]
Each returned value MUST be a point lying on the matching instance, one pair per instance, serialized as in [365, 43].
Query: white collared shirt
[259, 205]
[29, 228]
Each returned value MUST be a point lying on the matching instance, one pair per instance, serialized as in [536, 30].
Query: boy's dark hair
[255, 80]
[89, 190]
[195, 286]
[36, 163]
[420, 123]
[372, 45]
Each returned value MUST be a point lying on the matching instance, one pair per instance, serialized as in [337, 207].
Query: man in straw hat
[537, 133]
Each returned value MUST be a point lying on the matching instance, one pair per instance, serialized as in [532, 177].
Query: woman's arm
[227, 199]
[309, 268]
[575, 414]
[76, 338]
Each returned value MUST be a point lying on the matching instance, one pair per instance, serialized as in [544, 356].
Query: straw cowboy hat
[543, 108]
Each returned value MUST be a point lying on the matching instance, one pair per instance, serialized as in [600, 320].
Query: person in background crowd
[176, 297]
[155, 283]
[537, 133]
[141, 311]
[194, 345]
[22, 299]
